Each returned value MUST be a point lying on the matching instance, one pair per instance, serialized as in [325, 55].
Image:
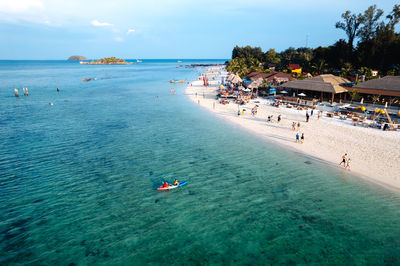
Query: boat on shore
[177, 81]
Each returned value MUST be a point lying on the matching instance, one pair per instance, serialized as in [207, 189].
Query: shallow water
[78, 179]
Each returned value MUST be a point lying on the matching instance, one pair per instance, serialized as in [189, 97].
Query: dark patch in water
[83, 242]
[167, 141]
[308, 162]
[72, 264]
[191, 192]
[156, 201]
[150, 172]
[192, 163]
[310, 219]
[39, 200]
[276, 163]
[238, 176]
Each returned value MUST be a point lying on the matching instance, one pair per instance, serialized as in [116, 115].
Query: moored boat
[177, 81]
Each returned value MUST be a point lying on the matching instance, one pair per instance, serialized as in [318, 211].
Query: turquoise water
[78, 179]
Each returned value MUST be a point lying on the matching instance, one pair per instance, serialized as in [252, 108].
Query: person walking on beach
[319, 114]
[307, 116]
[348, 164]
[293, 126]
[269, 119]
[279, 118]
[298, 126]
[302, 138]
[312, 112]
[297, 137]
[344, 160]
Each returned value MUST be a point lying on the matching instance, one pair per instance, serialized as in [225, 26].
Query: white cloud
[130, 31]
[97, 23]
[20, 6]
[118, 39]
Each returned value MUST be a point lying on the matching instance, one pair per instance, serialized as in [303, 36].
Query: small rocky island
[107, 61]
[76, 58]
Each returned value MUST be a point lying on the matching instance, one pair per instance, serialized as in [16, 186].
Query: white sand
[375, 154]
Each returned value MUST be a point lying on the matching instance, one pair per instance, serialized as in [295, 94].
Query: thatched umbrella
[236, 79]
[255, 84]
[230, 77]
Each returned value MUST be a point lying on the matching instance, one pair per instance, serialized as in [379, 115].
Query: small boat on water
[179, 61]
[138, 61]
[177, 81]
[172, 186]
[86, 80]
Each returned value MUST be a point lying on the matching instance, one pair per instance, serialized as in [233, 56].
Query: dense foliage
[377, 48]
[111, 60]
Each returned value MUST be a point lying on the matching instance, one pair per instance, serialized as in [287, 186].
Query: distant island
[76, 58]
[107, 61]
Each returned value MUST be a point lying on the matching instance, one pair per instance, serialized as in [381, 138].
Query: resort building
[387, 86]
[295, 68]
[324, 87]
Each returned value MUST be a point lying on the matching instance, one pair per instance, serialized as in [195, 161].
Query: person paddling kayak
[176, 183]
[166, 185]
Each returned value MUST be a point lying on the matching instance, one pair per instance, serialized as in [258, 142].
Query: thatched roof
[388, 83]
[323, 83]
[236, 79]
[255, 83]
[230, 77]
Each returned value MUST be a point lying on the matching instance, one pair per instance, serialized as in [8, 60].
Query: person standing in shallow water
[344, 160]
[297, 137]
[348, 164]
[302, 138]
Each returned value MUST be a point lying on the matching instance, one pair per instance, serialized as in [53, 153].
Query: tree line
[371, 44]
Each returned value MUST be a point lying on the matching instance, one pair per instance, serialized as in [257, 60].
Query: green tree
[271, 57]
[355, 95]
[369, 22]
[350, 25]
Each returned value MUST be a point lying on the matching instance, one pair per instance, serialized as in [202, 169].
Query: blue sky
[56, 29]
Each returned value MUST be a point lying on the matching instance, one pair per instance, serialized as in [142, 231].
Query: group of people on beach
[345, 161]
[300, 139]
[294, 126]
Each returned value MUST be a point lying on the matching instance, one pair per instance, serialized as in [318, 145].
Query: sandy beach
[375, 154]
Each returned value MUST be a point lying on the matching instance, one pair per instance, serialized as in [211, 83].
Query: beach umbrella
[362, 101]
[301, 94]
[363, 109]
[385, 105]
[230, 77]
[284, 92]
[247, 90]
[236, 79]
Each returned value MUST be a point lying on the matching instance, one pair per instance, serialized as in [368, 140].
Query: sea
[79, 171]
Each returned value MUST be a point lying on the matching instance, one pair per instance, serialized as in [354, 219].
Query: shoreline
[373, 152]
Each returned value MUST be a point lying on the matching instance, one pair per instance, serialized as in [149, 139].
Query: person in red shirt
[165, 184]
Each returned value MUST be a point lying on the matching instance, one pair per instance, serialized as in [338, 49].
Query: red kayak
[172, 186]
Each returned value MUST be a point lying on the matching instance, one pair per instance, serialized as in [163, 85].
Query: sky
[150, 29]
